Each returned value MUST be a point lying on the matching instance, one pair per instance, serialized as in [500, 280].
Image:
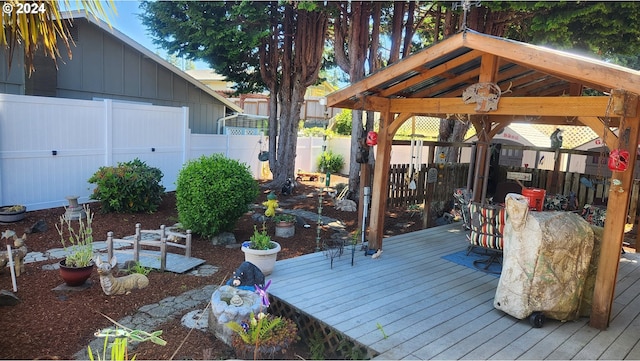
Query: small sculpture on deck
[120, 285]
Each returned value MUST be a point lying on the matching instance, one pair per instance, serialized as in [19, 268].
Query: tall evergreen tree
[258, 45]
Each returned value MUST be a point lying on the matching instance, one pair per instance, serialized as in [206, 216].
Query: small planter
[285, 229]
[75, 276]
[10, 214]
[223, 310]
[263, 259]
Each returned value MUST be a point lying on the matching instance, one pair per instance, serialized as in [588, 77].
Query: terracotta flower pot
[75, 276]
[285, 229]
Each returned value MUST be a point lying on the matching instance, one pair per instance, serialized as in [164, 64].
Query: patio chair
[487, 227]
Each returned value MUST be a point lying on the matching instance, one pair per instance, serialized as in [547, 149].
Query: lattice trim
[336, 345]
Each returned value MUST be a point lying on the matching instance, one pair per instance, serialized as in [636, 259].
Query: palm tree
[36, 25]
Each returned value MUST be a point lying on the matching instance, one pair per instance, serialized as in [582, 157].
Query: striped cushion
[487, 226]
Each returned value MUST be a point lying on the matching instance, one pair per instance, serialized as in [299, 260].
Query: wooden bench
[164, 239]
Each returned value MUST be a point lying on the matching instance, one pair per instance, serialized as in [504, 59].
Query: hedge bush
[329, 162]
[212, 193]
[130, 187]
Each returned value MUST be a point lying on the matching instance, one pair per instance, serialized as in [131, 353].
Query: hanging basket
[263, 156]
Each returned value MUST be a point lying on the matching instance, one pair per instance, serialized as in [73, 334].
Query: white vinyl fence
[50, 147]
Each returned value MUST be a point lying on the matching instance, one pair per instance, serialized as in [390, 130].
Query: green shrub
[128, 187]
[342, 124]
[212, 193]
[329, 162]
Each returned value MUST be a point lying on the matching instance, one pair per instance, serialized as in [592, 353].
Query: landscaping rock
[8, 298]
[223, 239]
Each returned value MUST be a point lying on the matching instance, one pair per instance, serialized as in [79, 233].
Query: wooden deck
[429, 308]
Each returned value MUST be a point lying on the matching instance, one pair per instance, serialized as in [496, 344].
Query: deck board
[431, 308]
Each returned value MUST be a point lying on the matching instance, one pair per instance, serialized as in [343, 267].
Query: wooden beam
[466, 78]
[440, 69]
[380, 189]
[604, 132]
[617, 206]
[488, 68]
[497, 128]
[569, 66]
[397, 69]
[533, 106]
[396, 123]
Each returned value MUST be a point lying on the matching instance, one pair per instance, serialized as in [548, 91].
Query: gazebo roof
[447, 68]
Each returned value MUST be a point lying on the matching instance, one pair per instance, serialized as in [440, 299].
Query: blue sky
[127, 22]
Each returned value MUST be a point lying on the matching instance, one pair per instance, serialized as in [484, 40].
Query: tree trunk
[290, 61]
[356, 22]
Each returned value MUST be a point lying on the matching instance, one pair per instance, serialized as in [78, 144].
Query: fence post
[108, 132]
[186, 136]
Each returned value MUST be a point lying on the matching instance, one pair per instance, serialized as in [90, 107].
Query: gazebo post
[611, 246]
[379, 195]
[482, 149]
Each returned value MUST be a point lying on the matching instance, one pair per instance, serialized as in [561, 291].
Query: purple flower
[245, 326]
[263, 293]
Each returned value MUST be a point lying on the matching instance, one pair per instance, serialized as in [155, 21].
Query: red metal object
[372, 138]
[618, 160]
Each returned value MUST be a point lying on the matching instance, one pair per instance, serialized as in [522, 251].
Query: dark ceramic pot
[9, 214]
[75, 276]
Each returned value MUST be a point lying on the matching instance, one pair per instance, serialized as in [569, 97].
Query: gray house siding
[104, 66]
[12, 82]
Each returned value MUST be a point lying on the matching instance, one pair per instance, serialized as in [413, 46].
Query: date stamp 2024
[23, 8]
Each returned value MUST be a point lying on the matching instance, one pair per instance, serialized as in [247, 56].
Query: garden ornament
[121, 285]
[556, 139]
[287, 188]
[247, 276]
[17, 253]
[271, 204]
[618, 160]
[372, 138]
[484, 95]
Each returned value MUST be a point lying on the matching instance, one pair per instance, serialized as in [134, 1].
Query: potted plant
[261, 250]
[77, 242]
[262, 335]
[285, 225]
[13, 213]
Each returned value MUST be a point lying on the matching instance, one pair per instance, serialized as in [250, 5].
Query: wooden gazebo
[493, 82]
